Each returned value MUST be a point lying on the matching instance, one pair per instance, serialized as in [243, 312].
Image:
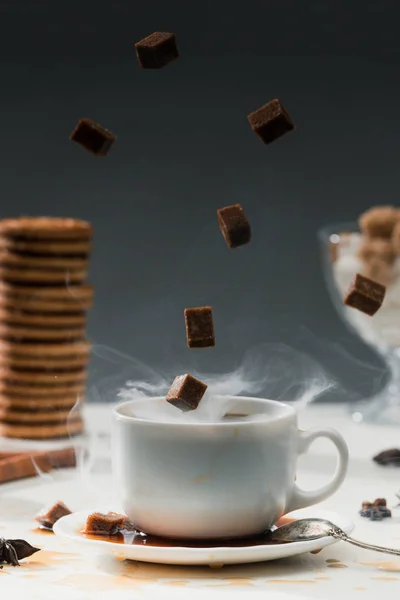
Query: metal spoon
[305, 530]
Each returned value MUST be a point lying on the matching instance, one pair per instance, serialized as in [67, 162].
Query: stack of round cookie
[43, 303]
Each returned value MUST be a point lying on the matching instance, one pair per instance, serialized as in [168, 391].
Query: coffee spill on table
[42, 531]
[337, 566]
[87, 582]
[383, 565]
[46, 558]
[292, 581]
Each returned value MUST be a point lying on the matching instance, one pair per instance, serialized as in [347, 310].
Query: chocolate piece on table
[199, 327]
[157, 50]
[380, 502]
[388, 457]
[186, 392]
[365, 295]
[46, 518]
[379, 221]
[100, 524]
[93, 137]
[234, 225]
[270, 121]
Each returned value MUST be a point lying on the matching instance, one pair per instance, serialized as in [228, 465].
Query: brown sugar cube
[365, 295]
[270, 121]
[46, 518]
[199, 327]
[186, 392]
[234, 225]
[101, 524]
[379, 248]
[379, 221]
[378, 270]
[157, 50]
[93, 137]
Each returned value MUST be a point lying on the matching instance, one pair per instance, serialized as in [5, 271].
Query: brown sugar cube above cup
[93, 137]
[234, 225]
[379, 221]
[199, 327]
[157, 50]
[49, 516]
[271, 121]
[186, 392]
[365, 295]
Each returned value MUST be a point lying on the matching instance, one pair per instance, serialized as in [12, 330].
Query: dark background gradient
[185, 148]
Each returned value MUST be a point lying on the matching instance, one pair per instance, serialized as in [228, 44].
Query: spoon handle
[345, 538]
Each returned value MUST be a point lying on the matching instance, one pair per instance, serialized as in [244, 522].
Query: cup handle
[301, 498]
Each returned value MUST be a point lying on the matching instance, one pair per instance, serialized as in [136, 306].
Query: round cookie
[19, 332]
[40, 319]
[36, 276]
[43, 431]
[41, 391]
[56, 351]
[47, 247]
[23, 417]
[26, 261]
[42, 363]
[52, 299]
[53, 228]
[21, 402]
[34, 378]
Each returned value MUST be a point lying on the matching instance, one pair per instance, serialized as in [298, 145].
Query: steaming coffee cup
[233, 478]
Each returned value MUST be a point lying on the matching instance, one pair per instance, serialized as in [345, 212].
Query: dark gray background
[185, 148]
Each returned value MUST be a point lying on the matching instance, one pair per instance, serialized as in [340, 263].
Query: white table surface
[65, 569]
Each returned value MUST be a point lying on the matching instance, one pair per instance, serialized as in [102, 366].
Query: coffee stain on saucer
[332, 560]
[392, 566]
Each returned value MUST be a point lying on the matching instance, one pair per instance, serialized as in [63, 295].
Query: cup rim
[286, 411]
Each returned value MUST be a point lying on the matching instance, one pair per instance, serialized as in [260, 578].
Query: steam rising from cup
[273, 371]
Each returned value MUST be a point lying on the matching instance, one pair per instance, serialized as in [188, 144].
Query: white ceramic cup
[215, 480]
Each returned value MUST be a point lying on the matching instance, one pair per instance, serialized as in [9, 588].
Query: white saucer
[70, 526]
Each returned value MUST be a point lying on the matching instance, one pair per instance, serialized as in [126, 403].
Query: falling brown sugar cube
[186, 392]
[270, 121]
[234, 226]
[379, 221]
[365, 295]
[49, 516]
[101, 524]
[93, 137]
[199, 327]
[157, 50]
